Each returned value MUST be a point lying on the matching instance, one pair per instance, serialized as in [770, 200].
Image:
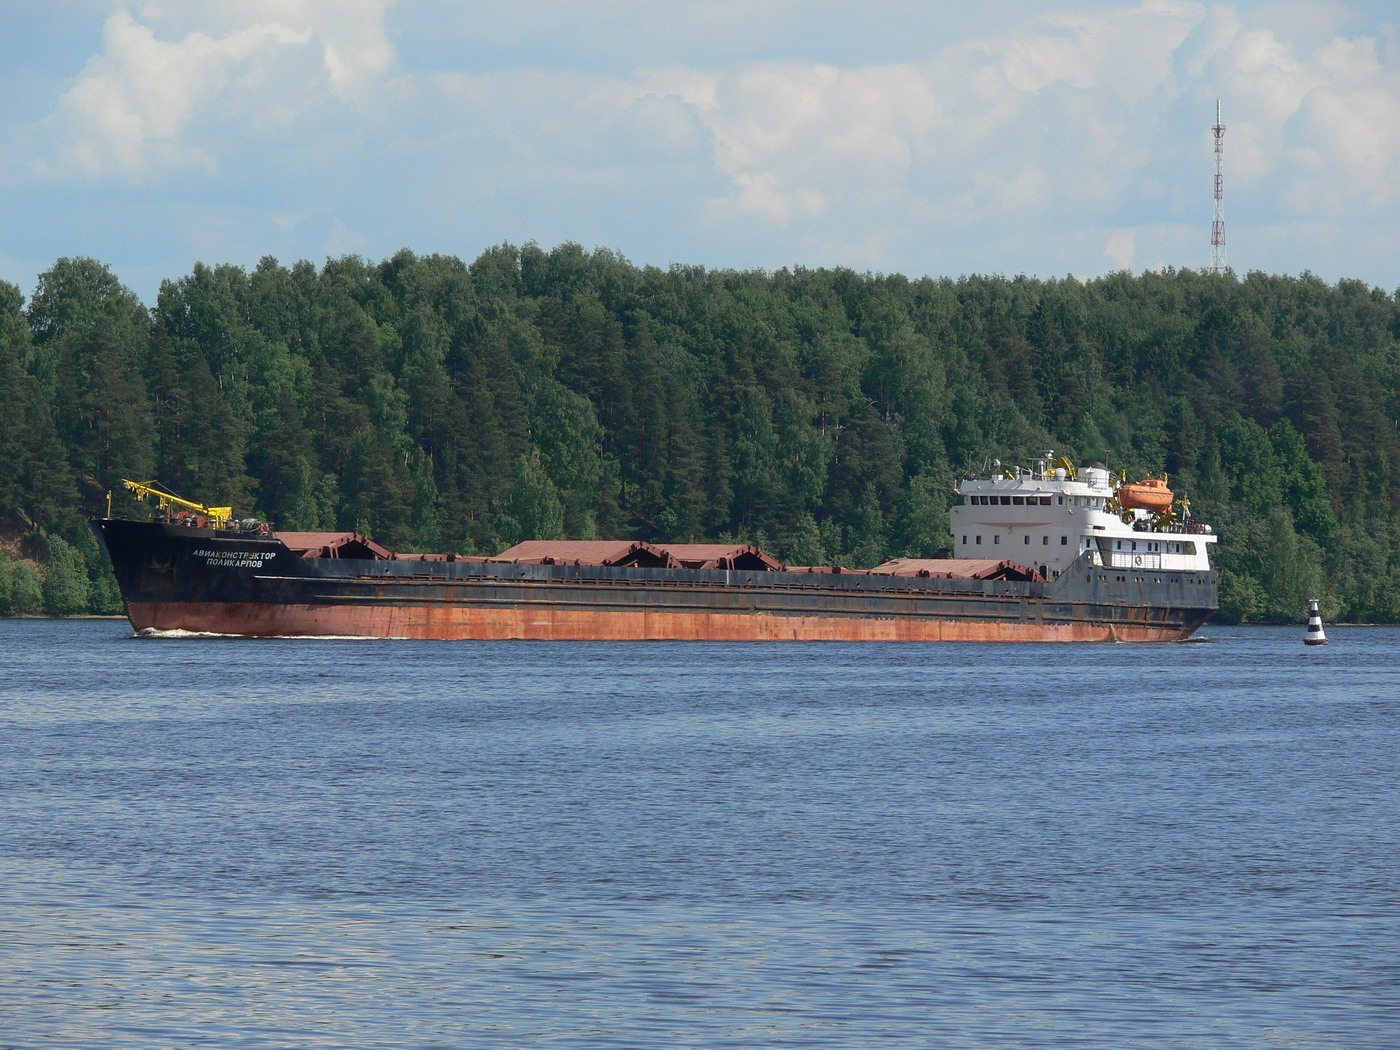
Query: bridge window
[1064, 541]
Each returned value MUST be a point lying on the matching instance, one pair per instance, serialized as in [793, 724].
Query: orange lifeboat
[1149, 494]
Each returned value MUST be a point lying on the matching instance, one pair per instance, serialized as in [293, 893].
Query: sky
[1047, 137]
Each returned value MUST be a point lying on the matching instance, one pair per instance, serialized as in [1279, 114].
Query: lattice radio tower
[1217, 227]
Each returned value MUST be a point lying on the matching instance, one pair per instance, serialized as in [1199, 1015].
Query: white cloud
[1127, 51]
[794, 138]
[350, 35]
[1322, 117]
[1012, 139]
[135, 109]
[764, 196]
[1057, 124]
[125, 115]
[1357, 136]
[1355, 120]
[789, 135]
[998, 193]
[1121, 249]
[344, 240]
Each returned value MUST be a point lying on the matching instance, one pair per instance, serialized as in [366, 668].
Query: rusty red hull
[574, 625]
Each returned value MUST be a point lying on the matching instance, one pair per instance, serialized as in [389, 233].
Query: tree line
[823, 414]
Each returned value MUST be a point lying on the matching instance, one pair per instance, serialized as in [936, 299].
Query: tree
[21, 591]
[66, 588]
[531, 509]
[90, 341]
[36, 487]
[825, 410]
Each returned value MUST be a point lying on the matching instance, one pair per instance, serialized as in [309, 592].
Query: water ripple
[210, 842]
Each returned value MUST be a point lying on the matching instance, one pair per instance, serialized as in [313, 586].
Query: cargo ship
[1049, 552]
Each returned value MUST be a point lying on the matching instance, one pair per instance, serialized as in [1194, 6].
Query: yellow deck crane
[219, 517]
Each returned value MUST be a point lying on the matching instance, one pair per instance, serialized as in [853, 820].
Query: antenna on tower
[1217, 227]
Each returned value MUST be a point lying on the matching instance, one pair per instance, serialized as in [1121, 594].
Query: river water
[276, 843]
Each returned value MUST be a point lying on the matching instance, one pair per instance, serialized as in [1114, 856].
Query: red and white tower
[1217, 227]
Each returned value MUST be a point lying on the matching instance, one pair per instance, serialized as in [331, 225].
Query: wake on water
[177, 633]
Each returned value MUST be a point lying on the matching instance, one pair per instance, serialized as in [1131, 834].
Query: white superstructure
[1047, 516]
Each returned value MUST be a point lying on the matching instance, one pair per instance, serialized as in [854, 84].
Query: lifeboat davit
[1149, 494]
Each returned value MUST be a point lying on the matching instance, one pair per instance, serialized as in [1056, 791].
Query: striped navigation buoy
[1314, 635]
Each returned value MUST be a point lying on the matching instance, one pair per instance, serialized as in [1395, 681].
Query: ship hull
[464, 623]
[175, 578]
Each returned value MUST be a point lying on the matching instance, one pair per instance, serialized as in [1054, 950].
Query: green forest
[823, 414]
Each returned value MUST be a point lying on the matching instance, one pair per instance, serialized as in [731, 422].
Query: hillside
[823, 414]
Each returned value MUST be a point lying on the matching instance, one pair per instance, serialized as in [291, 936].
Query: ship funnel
[1096, 475]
